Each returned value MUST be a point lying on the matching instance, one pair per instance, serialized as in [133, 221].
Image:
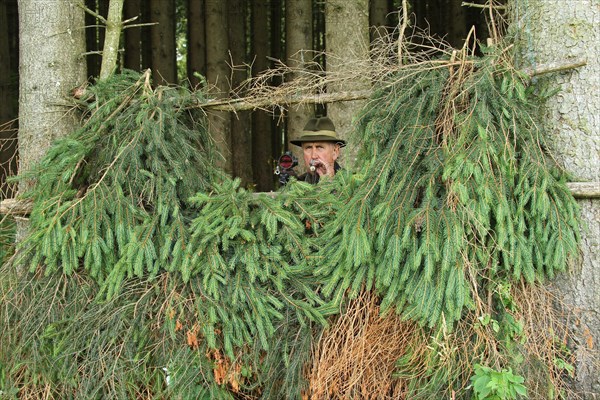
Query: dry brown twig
[356, 357]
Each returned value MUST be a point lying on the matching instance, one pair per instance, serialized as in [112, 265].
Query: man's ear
[336, 151]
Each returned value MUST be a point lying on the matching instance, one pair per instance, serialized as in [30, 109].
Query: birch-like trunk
[110, 52]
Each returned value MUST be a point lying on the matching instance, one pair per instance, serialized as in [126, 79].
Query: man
[321, 147]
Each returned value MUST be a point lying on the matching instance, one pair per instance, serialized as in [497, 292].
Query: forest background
[223, 44]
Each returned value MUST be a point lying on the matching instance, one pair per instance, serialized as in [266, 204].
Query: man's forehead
[319, 143]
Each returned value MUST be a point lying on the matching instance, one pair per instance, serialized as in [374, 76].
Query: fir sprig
[456, 191]
[455, 178]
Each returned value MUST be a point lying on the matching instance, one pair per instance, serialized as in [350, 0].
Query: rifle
[285, 167]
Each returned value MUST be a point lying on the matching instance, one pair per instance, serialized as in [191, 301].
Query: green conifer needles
[111, 194]
[457, 190]
[135, 194]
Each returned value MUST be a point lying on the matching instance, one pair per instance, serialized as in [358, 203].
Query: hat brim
[317, 138]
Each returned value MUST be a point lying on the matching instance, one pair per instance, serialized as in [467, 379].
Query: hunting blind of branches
[404, 278]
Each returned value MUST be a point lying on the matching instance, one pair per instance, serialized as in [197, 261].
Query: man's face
[322, 155]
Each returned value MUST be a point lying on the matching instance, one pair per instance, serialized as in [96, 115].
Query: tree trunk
[298, 39]
[110, 49]
[91, 38]
[435, 17]
[262, 150]
[162, 35]
[456, 23]
[554, 30]
[278, 128]
[7, 106]
[419, 8]
[319, 44]
[343, 46]
[146, 35]
[102, 10]
[196, 45]
[378, 11]
[48, 73]
[133, 36]
[241, 135]
[217, 75]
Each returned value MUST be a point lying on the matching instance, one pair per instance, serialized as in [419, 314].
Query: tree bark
[110, 52]
[7, 106]
[217, 75]
[91, 37]
[378, 12]
[343, 46]
[196, 50]
[456, 23]
[164, 66]
[102, 10]
[552, 30]
[435, 17]
[419, 8]
[47, 75]
[133, 36]
[319, 40]
[278, 125]
[262, 148]
[241, 134]
[298, 41]
[146, 35]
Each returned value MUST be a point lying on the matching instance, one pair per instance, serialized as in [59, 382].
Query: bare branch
[91, 12]
[475, 5]
[554, 67]
[15, 207]
[139, 25]
[584, 190]
[250, 104]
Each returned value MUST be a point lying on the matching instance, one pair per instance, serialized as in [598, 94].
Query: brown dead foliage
[356, 357]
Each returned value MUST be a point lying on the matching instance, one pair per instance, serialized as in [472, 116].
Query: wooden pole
[580, 190]
[246, 103]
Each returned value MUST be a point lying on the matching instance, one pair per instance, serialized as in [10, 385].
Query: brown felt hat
[318, 130]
